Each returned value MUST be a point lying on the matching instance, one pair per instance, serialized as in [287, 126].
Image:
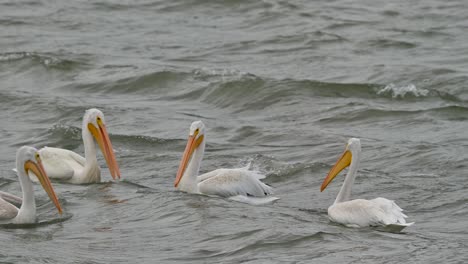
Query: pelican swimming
[360, 212]
[67, 166]
[28, 160]
[221, 182]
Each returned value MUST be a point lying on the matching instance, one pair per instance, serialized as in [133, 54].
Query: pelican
[220, 182]
[28, 160]
[378, 212]
[67, 166]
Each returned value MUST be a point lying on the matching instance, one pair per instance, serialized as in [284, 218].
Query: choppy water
[279, 84]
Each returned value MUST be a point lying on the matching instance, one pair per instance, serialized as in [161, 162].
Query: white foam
[254, 200]
[402, 91]
[224, 74]
[14, 56]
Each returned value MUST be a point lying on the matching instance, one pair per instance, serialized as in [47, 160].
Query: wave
[245, 91]
[71, 136]
[147, 141]
[145, 83]
[389, 43]
[402, 91]
[257, 93]
[262, 92]
[279, 241]
[277, 171]
[48, 60]
[219, 83]
[453, 112]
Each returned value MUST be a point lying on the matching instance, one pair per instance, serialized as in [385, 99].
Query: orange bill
[103, 140]
[192, 144]
[40, 173]
[343, 162]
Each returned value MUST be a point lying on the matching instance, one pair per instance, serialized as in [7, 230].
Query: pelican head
[94, 120]
[195, 140]
[31, 159]
[353, 147]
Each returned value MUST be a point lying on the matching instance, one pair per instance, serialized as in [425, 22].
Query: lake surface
[280, 86]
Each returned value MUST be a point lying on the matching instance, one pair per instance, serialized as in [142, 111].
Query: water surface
[280, 86]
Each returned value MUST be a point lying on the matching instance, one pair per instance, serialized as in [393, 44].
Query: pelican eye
[37, 156]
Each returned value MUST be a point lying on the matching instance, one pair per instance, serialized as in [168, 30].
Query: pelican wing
[61, 163]
[393, 213]
[10, 198]
[361, 213]
[232, 182]
[7, 210]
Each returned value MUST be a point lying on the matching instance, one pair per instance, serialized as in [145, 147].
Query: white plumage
[29, 161]
[362, 213]
[378, 212]
[7, 212]
[232, 182]
[68, 166]
[10, 198]
[61, 163]
[240, 183]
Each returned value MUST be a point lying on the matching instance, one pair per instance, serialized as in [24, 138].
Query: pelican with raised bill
[67, 166]
[28, 160]
[239, 184]
[379, 212]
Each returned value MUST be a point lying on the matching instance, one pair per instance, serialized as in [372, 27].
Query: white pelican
[28, 160]
[379, 212]
[67, 166]
[221, 182]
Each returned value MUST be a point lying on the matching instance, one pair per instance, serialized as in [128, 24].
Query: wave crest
[47, 60]
[402, 91]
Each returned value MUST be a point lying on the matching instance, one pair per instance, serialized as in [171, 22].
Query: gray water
[280, 85]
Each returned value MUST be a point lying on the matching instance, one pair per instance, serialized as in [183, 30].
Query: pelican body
[67, 166]
[28, 160]
[379, 212]
[220, 182]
